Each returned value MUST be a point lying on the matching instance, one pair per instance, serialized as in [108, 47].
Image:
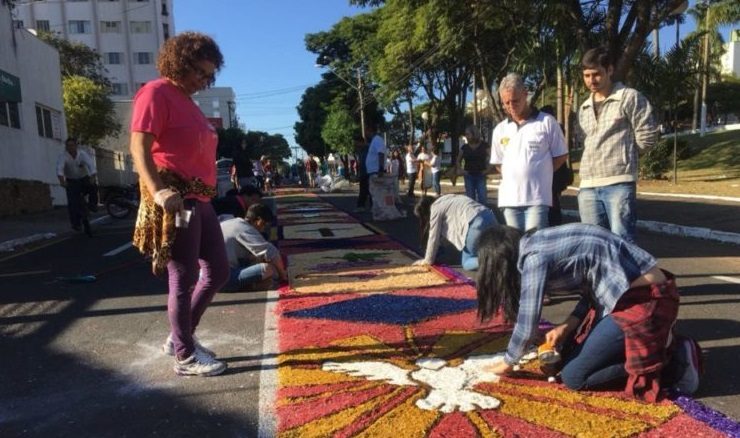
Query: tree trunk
[411, 119]
[559, 88]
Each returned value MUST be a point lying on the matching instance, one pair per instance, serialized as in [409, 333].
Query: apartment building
[218, 104]
[126, 33]
[32, 125]
[731, 57]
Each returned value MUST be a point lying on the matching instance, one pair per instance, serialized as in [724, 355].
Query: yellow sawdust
[567, 420]
[484, 430]
[326, 395]
[395, 273]
[405, 420]
[659, 412]
[330, 424]
[311, 231]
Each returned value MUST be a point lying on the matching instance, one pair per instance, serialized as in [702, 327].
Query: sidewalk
[21, 230]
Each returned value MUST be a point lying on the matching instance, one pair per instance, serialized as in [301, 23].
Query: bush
[658, 160]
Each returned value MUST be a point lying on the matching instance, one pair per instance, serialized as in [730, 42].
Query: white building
[219, 106]
[731, 58]
[126, 33]
[32, 125]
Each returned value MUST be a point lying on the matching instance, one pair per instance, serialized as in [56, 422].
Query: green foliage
[339, 128]
[77, 59]
[259, 143]
[229, 140]
[659, 159]
[725, 96]
[88, 109]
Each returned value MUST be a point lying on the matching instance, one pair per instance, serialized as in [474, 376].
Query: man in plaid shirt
[613, 123]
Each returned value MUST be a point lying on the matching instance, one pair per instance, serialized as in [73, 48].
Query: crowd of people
[620, 334]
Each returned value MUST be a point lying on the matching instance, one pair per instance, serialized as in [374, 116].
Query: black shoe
[86, 226]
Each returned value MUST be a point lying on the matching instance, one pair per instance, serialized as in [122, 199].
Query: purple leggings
[199, 248]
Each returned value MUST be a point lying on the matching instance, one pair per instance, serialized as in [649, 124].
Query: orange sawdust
[484, 430]
[318, 397]
[328, 425]
[406, 420]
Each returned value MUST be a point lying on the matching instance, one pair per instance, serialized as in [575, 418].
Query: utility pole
[362, 102]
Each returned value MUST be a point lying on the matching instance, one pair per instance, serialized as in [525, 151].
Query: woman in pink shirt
[174, 151]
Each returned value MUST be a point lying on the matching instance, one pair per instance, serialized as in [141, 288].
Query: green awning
[10, 87]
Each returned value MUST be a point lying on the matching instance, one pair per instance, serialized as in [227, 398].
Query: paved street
[84, 359]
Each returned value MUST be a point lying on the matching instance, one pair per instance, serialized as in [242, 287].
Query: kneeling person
[253, 261]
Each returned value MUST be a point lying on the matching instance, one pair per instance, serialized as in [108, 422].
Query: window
[164, 10]
[110, 27]
[141, 26]
[166, 30]
[48, 122]
[79, 26]
[119, 89]
[143, 58]
[113, 58]
[43, 25]
[18, 24]
[10, 115]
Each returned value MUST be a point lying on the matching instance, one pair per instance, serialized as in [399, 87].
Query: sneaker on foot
[199, 364]
[689, 356]
[169, 347]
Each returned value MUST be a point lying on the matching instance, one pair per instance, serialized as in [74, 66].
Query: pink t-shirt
[184, 141]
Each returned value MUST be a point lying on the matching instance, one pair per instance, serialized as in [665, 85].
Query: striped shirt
[625, 123]
[572, 257]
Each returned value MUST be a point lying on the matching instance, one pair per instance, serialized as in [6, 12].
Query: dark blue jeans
[599, 361]
[475, 187]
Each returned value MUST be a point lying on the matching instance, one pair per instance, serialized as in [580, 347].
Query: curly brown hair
[180, 53]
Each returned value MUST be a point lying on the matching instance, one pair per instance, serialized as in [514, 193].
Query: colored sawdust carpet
[359, 271]
[311, 218]
[411, 362]
[325, 230]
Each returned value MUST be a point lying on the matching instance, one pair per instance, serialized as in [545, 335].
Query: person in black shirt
[236, 203]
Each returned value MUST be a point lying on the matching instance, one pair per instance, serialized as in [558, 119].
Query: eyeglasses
[209, 76]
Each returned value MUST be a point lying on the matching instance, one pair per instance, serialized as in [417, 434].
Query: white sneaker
[169, 347]
[199, 364]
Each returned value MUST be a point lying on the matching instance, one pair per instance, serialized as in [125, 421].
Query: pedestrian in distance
[361, 149]
[412, 170]
[77, 173]
[614, 123]
[242, 165]
[526, 148]
[620, 333]
[174, 151]
[253, 261]
[458, 219]
[435, 166]
[473, 159]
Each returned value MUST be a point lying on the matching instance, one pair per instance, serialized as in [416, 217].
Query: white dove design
[450, 388]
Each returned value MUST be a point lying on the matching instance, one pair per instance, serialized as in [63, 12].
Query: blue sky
[267, 64]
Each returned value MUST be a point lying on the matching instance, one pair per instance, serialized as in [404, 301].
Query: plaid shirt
[572, 257]
[611, 143]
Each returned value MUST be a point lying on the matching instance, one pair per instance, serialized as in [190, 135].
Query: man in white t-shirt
[76, 172]
[375, 161]
[412, 169]
[526, 148]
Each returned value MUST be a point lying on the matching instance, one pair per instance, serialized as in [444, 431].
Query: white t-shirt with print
[525, 154]
[411, 166]
[377, 146]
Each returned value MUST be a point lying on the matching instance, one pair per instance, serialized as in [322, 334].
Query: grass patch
[719, 151]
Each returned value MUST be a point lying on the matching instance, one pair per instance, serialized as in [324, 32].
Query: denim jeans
[526, 218]
[436, 182]
[475, 187]
[612, 207]
[598, 361]
[242, 277]
[480, 223]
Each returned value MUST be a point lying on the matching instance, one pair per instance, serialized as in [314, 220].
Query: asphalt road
[84, 359]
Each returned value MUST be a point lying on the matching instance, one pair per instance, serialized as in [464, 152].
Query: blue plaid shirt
[581, 257]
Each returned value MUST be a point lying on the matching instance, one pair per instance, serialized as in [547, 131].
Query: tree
[89, 112]
[339, 128]
[229, 140]
[77, 59]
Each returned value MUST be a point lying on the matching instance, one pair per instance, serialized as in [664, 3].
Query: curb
[12, 244]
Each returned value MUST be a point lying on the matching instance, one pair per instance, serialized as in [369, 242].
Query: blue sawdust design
[386, 309]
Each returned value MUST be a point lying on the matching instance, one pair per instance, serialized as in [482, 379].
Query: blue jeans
[599, 360]
[243, 277]
[480, 223]
[612, 207]
[475, 187]
[436, 177]
[527, 218]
